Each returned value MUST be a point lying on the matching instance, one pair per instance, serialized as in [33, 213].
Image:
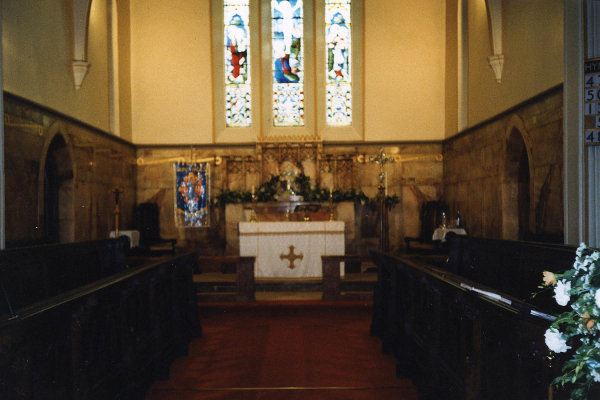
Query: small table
[440, 233]
[134, 237]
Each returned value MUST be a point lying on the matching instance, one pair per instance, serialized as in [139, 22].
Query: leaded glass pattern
[237, 63]
[338, 83]
[287, 29]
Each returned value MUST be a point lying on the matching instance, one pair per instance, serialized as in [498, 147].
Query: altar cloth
[291, 249]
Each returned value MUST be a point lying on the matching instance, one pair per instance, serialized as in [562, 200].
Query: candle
[330, 191]
[386, 187]
[252, 189]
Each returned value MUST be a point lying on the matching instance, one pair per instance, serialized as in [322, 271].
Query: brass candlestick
[331, 207]
[252, 212]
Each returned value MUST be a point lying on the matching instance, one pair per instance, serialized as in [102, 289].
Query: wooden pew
[32, 274]
[460, 339]
[91, 328]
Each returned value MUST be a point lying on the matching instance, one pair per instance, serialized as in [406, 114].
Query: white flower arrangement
[577, 329]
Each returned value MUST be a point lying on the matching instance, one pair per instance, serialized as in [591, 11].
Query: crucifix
[117, 192]
[288, 174]
[381, 160]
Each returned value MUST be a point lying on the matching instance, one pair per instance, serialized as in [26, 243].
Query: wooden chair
[147, 222]
[431, 217]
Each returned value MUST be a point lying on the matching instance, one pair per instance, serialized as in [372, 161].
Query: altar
[291, 249]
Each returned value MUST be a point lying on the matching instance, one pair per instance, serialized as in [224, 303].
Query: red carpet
[287, 350]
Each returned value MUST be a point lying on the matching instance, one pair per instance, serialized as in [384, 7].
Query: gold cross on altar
[291, 257]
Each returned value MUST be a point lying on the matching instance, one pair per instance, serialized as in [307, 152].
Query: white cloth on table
[271, 242]
[134, 237]
[440, 233]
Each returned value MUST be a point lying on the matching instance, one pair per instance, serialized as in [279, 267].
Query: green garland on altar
[269, 191]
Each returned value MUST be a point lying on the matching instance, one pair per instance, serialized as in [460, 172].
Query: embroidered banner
[192, 195]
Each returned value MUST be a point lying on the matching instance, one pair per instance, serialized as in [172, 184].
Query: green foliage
[270, 191]
[232, 197]
[391, 201]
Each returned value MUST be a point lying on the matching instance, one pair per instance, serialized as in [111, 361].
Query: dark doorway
[58, 188]
[516, 192]
[523, 196]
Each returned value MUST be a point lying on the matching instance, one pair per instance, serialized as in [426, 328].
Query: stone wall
[414, 181]
[485, 171]
[88, 165]
[481, 176]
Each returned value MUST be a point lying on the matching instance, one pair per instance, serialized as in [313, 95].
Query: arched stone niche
[56, 188]
[518, 206]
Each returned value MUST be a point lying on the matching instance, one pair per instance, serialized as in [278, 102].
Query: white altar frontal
[291, 249]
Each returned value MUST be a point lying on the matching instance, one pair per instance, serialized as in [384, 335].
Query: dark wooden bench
[511, 267]
[470, 330]
[31, 274]
[82, 325]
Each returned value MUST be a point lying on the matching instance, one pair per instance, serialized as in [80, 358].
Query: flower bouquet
[577, 329]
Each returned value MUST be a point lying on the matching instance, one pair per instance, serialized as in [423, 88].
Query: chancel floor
[284, 350]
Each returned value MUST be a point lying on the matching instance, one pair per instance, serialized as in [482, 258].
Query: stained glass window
[237, 63]
[338, 85]
[287, 29]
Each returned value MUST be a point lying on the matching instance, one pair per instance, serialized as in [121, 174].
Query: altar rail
[244, 281]
[460, 339]
[89, 327]
[332, 281]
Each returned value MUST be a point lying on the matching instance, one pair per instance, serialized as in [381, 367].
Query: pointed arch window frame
[315, 53]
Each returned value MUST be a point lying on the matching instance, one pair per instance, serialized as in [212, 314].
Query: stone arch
[518, 206]
[56, 185]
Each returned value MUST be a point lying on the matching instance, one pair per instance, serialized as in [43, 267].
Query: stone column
[574, 162]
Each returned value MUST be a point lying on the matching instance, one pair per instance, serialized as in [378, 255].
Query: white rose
[597, 297]
[561, 292]
[594, 369]
[595, 375]
[556, 341]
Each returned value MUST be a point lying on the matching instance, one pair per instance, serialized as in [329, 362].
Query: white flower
[594, 367]
[581, 248]
[561, 292]
[598, 297]
[556, 341]
[586, 282]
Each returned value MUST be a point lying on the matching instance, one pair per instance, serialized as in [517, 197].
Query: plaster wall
[171, 91]
[404, 70]
[532, 42]
[37, 50]
[172, 78]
